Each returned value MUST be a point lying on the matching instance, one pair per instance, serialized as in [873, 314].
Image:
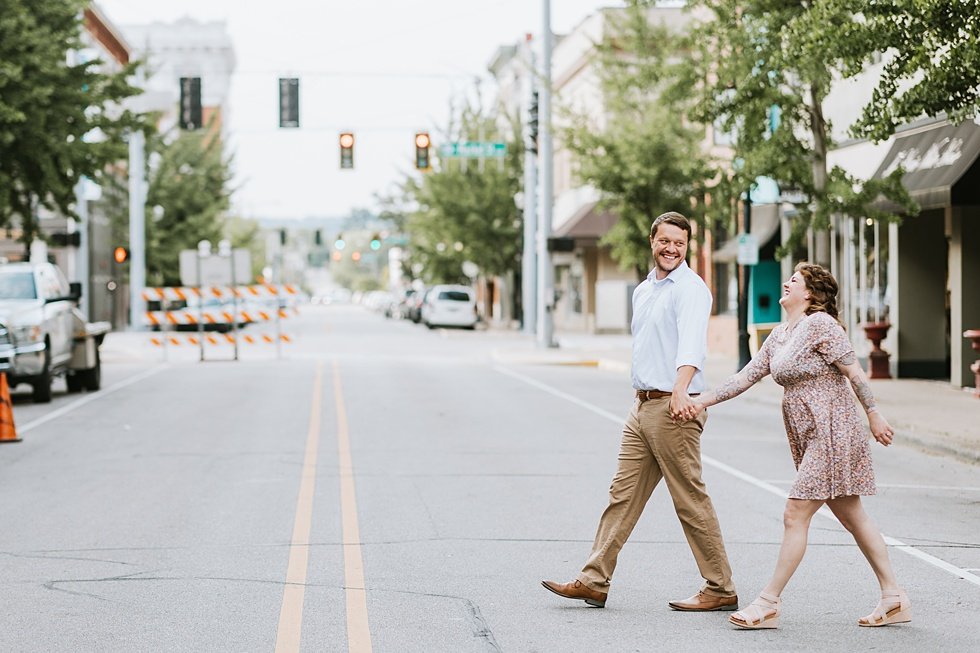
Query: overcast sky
[383, 69]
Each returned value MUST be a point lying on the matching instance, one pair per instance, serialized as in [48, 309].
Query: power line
[289, 72]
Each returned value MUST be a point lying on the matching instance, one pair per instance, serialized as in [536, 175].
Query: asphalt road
[385, 487]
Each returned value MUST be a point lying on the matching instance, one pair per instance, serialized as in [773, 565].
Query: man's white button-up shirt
[670, 329]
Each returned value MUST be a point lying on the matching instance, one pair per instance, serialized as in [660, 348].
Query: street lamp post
[203, 251]
[225, 250]
[744, 355]
[546, 283]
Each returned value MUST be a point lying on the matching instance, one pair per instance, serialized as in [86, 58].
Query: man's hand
[680, 402]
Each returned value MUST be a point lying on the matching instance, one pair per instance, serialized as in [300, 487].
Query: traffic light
[346, 150]
[317, 238]
[282, 236]
[190, 103]
[339, 242]
[532, 124]
[422, 144]
[355, 256]
[289, 102]
[120, 255]
[375, 242]
[73, 239]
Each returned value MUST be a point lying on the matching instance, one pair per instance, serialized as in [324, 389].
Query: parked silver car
[43, 334]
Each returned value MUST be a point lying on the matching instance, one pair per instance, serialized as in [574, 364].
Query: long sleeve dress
[827, 439]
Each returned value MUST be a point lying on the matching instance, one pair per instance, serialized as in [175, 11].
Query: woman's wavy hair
[822, 286]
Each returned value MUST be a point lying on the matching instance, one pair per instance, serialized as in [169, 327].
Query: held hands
[880, 428]
[684, 408]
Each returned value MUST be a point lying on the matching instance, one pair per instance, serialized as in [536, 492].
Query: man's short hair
[674, 218]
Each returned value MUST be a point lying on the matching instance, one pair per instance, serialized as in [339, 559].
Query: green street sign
[473, 150]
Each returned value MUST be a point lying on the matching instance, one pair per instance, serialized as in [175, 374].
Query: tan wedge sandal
[899, 610]
[761, 613]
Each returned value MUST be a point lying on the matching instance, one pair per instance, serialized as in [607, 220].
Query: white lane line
[55, 414]
[748, 478]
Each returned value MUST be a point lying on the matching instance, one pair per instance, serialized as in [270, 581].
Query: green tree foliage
[643, 157]
[245, 233]
[464, 211]
[190, 181]
[58, 120]
[763, 69]
[931, 61]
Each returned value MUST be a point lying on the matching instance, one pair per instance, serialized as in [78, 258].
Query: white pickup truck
[42, 332]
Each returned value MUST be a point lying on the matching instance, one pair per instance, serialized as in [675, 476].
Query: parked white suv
[449, 306]
[43, 334]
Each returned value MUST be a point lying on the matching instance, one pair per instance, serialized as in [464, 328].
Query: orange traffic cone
[8, 432]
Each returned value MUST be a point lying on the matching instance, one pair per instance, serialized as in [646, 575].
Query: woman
[811, 357]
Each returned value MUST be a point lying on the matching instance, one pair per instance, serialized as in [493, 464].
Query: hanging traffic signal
[190, 103]
[289, 102]
[120, 255]
[532, 124]
[339, 242]
[422, 144]
[376, 242]
[346, 150]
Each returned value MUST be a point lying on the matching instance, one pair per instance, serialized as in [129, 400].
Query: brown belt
[647, 395]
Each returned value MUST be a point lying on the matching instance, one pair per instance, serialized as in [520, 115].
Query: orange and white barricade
[218, 308]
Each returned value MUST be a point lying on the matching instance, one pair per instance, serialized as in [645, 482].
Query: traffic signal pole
[529, 263]
[546, 282]
[137, 229]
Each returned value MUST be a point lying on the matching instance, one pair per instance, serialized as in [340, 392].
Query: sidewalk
[931, 415]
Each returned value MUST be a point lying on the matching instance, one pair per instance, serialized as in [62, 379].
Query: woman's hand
[692, 410]
[880, 428]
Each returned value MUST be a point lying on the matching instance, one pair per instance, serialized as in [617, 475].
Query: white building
[593, 293]
[185, 48]
[918, 276]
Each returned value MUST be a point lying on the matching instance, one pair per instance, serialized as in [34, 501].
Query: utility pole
[546, 282]
[529, 263]
[137, 228]
[82, 272]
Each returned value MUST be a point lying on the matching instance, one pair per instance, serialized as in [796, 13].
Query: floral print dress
[827, 438]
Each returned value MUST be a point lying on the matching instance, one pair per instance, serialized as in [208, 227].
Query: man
[670, 324]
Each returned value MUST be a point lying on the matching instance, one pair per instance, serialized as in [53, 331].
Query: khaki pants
[653, 447]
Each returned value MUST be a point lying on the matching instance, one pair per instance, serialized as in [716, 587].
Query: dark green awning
[934, 160]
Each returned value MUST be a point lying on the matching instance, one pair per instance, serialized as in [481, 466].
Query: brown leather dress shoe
[576, 590]
[702, 602]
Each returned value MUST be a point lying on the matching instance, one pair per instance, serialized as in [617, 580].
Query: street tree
[758, 72]
[642, 155]
[931, 57]
[465, 211]
[189, 193]
[61, 116]
[246, 233]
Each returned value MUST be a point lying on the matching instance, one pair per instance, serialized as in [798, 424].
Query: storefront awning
[588, 222]
[934, 161]
[765, 224]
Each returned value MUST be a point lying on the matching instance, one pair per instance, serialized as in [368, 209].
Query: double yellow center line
[288, 635]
